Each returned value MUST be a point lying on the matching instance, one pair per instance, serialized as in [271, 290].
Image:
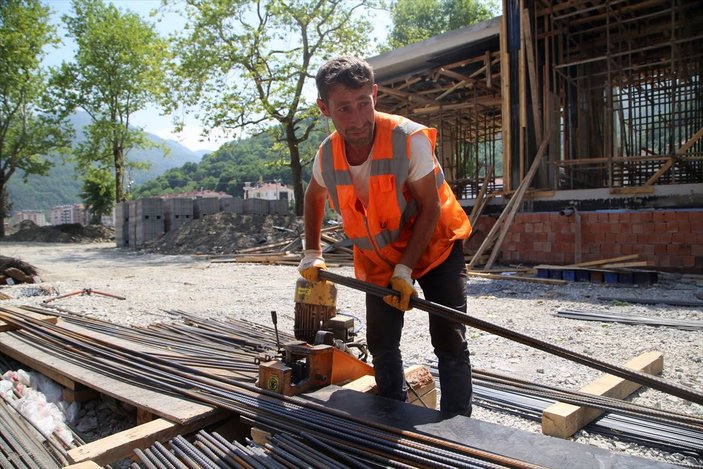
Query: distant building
[36, 216]
[268, 191]
[195, 195]
[63, 214]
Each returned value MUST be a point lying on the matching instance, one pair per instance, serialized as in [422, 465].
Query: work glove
[403, 284]
[311, 264]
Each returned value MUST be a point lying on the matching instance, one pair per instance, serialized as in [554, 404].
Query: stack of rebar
[20, 446]
[364, 442]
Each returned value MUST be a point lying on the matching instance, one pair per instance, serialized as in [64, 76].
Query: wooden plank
[68, 374]
[609, 260]
[505, 95]
[121, 445]
[479, 204]
[517, 198]
[632, 190]
[670, 162]
[546, 281]
[563, 420]
[4, 326]
[532, 72]
[84, 465]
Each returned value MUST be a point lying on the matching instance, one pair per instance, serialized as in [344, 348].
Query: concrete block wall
[149, 220]
[256, 206]
[670, 239]
[122, 224]
[278, 207]
[138, 221]
[232, 205]
[177, 212]
[204, 206]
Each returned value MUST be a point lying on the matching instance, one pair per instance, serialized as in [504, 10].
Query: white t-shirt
[420, 165]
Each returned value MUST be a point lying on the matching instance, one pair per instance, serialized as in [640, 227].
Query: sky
[151, 119]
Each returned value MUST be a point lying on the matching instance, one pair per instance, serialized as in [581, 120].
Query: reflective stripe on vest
[397, 166]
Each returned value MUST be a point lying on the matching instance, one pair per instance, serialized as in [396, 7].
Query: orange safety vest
[380, 232]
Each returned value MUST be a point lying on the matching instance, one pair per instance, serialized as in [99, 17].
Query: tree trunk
[3, 205]
[296, 168]
[118, 154]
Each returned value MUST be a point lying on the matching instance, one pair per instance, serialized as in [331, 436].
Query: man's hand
[402, 283]
[311, 264]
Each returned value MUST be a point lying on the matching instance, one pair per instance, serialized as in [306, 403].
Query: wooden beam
[609, 260]
[480, 198]
[672, 159]
[517, 198]
[121, 445]
[532, 71]
[5, 326]
[563, 420]
[505, 96]
[637, 190]
[545, 281]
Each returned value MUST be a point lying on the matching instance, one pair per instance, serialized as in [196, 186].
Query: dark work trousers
[445, 285]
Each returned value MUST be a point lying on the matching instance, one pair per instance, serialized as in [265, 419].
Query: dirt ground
[154, 283]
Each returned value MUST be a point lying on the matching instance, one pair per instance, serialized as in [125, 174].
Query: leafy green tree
[97, 192]
[118, 70]
[417, 20]
[28, 132]
[245, 64]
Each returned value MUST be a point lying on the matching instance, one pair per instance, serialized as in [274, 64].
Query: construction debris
[609, 317]
[13, 271]
[65, 233]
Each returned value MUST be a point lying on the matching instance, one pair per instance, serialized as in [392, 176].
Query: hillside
[61, 186]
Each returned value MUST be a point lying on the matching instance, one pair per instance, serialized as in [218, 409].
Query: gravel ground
[155, 283]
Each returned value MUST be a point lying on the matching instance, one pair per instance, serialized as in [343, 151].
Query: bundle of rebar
[20, 446]
[363, 442]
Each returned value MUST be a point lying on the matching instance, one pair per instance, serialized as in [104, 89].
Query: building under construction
[579, 122]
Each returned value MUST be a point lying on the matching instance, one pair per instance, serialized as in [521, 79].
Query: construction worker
[381, 176]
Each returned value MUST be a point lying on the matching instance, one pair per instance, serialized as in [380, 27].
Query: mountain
[62, 186]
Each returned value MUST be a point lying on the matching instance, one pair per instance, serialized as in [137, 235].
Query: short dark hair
[349, 71]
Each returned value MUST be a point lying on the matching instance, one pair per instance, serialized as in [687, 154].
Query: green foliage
[246, 64]
[61, 187]
[28, 128]
[228, 168]
[118, 70]
[97, 194]
[417, 20]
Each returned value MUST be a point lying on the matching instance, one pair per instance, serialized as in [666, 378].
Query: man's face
[352, 112]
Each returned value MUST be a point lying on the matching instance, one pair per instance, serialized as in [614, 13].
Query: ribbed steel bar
[166, 458]
[147, 458]
[303, 451]
[457, 316]
[338, 455]
[193, 452]
[588, 400]
[18, 443]
[667, 433]
[231, 454]
[191, 379]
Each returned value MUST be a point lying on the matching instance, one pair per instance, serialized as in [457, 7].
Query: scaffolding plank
[563, 420]
[121, 445]
[68, 374]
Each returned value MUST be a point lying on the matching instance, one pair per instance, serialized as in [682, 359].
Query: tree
[97, 192]
[417, 20]
[118, 70]
[28, 132]
[246, 64]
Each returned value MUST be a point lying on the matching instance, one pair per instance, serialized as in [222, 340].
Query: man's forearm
[312, 217]
[423, 230]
